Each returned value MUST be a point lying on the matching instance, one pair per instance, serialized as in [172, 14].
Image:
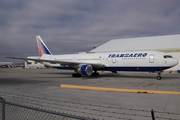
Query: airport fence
[25, 107]
[14, 111]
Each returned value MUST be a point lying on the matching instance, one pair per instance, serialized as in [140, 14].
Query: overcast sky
[71, 26]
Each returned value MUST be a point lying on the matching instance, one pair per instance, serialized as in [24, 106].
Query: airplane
[89, 63]
[6, 64]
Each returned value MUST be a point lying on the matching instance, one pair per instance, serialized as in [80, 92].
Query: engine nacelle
[85, 70]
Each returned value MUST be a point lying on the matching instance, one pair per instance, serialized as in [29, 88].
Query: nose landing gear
[159, 75]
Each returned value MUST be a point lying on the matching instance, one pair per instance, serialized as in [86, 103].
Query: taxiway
[41, 88]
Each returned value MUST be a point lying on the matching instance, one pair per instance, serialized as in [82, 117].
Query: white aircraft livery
[90, 63]
[5, 63]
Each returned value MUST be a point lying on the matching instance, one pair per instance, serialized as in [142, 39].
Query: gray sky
[71, 26]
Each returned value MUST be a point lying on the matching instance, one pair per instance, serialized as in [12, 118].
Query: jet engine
[85, 70]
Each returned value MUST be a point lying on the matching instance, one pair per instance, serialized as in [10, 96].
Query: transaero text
[128, 55]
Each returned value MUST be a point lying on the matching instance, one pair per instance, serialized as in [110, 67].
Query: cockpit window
[168, 56]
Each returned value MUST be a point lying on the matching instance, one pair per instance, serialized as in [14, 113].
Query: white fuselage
[119, 61]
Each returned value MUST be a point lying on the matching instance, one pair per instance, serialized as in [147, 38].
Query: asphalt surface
[41, 88]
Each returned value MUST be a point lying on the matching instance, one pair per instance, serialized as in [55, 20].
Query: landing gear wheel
[158, 77]
[95, 74]
[73, 75]
[76, 75]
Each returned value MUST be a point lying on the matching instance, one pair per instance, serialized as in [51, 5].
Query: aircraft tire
[158, 77]
[76, 75]
[79, 75]
[73, 75]
[95, 74]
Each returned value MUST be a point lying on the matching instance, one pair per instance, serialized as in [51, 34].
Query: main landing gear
[76, 75]
[95, 73]
[80, 75]
[159, 73]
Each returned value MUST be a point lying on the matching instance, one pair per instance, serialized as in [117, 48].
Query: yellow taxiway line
[118, 90]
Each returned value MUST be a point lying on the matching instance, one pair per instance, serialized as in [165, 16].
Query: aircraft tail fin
[43, 49]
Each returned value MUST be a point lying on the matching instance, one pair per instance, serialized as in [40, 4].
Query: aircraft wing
[63, 63]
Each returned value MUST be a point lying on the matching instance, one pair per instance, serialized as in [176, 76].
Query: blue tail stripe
[44, 49]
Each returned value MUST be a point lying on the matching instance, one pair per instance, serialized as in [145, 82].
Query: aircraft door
[151, 58]
[114, 60]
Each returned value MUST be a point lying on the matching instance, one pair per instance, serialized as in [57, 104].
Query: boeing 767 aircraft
[90, 63]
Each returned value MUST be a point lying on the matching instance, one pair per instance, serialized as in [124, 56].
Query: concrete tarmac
[41, 88]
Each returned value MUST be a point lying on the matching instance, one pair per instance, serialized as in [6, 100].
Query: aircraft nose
[175, 62]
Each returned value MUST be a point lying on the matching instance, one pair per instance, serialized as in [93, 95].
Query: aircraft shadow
[117, 75]
[110, 75]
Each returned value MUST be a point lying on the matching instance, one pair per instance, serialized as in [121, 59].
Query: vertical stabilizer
[43, 49]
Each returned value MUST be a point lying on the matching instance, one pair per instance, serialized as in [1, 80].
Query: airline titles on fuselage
[128, 55]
